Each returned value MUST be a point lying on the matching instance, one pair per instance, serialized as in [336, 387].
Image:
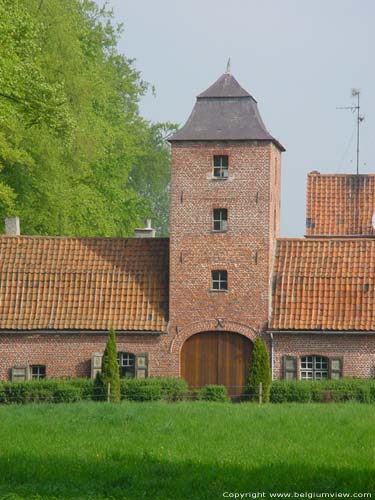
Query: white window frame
[127, 360]
[314, 367]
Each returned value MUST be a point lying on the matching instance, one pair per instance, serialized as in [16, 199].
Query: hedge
[175, 389]
[72, 390]
[341, 390]
[36, 391]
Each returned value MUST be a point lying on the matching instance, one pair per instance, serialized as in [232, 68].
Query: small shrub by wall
[153, 389]
[213, 393]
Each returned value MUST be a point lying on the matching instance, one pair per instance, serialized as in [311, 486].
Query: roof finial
[228, 66]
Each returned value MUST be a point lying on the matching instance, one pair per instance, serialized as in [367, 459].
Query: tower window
[220, 219]
[219, 280]
[221, 166]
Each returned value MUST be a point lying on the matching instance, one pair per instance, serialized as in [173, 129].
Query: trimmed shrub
[99, 390]
[152, 389]
[145, 389]
[323, 391]
[2, 394]
[39, 391]
[110, 372]
[214, 393]
[66, 393]
[194, 395]
[172, 388]
[279, 392]
[259, 372]
[71, 390]
[86, 386]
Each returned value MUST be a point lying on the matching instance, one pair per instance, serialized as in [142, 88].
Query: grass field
[184, 450]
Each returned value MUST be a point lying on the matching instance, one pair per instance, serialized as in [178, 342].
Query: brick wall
[357, 351]
[252, 196]
[69, 355]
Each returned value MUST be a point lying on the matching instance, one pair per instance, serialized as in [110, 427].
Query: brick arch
[210, 325]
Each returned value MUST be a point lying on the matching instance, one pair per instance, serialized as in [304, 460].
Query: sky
[299, 59]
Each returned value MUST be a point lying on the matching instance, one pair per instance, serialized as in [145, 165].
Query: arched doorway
[217, 358]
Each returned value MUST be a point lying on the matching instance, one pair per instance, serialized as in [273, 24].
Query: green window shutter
[141, 365]
[335, 365]
[19, 373]
[96, 363]
[290, 367]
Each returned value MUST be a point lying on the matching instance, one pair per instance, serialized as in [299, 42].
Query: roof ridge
[316, 173]
[68, 238]
[329, 238]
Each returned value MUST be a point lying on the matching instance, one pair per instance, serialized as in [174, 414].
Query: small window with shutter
[313, 368]
[133, 366]
[290, 367]
[37, 372]
[19, 373]
[126, 363]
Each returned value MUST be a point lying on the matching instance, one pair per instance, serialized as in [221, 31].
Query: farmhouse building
[192, 305]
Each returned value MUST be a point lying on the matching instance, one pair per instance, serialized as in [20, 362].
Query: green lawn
[184, 450]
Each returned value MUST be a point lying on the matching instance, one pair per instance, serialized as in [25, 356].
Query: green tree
[110, 372]
[76, 157]
[259, 371]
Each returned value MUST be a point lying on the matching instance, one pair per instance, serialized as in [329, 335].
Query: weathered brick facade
[70, 354]
[251, 195]
[357, 351]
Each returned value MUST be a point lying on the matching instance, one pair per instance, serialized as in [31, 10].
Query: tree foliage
[259, 371]
[110, 371]
[76, 157]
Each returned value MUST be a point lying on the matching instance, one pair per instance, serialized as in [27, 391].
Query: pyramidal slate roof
[225, 111]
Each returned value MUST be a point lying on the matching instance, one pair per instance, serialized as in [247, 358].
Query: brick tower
[224, 216]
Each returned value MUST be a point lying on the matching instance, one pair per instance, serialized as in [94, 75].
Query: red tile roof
[51, 283]
[324, 284]
[340, 204]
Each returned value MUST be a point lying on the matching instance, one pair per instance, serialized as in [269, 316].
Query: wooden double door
[217, 358]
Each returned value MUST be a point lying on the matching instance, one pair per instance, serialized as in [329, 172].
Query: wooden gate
[217, 358]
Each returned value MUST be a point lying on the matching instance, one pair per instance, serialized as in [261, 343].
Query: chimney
[146, 232]
[12, 226]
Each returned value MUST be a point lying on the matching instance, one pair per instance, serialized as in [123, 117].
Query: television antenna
[356, 94]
